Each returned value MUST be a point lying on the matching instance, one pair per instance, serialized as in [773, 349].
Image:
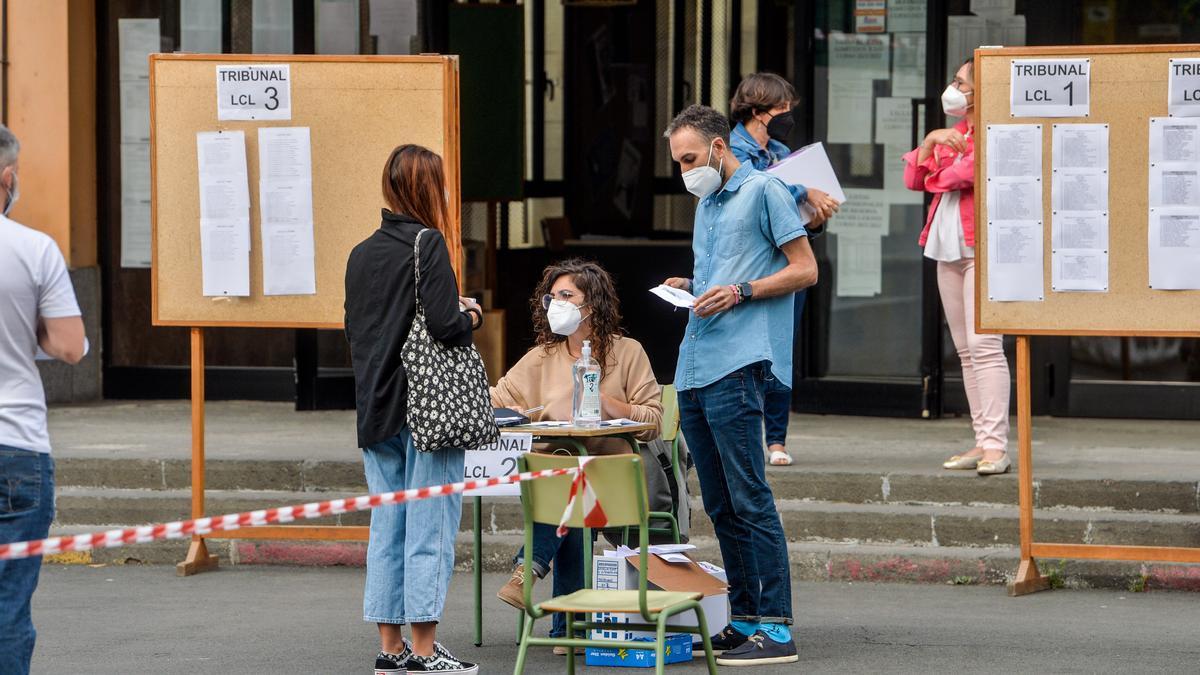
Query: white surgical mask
[13, 194]
[564, 317]
[702, 181]
[954, 102]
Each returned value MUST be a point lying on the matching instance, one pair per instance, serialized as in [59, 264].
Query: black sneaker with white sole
[393, 664]
[759, 650]
[442, 661]
[729, 638]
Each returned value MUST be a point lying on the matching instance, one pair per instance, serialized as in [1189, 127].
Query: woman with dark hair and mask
[576, 300]
[762, 110]
[944, 165]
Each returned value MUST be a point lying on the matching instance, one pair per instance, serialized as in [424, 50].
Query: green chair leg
[520, 625]
[571, 647]
[523, 650]
[660, 645]
[706, 640]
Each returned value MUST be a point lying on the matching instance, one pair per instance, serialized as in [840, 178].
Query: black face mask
[780, 126]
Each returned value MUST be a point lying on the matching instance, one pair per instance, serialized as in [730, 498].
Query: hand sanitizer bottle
[585, 404]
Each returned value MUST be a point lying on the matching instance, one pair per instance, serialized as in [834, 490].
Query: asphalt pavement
[251, 619]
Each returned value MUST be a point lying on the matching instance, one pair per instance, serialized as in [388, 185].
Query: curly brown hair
[600, 296]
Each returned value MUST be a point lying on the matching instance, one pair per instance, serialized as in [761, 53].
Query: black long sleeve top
[380, 307]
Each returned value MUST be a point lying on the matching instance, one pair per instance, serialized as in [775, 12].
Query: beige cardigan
[543, 377]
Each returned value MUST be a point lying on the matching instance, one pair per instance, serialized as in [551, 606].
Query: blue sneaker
[760, 650]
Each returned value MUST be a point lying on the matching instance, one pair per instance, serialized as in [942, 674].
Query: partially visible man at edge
[37, 309]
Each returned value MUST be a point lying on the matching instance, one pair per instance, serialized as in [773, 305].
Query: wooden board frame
[1160, 313]
[995, 317]
[300, 311]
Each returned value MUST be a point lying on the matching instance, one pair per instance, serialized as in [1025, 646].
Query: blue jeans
[410, 555]
[26, 509]
[723, 425]
[567, 554]
[778, 402]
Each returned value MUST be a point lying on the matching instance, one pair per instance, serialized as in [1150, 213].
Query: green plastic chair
[670, 435]
[620, 487]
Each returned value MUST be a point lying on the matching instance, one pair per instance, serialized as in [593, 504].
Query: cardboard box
[677, 649]
[622, 574]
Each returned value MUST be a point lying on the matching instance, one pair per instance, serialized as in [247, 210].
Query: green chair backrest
[670, 417]
[618, 481]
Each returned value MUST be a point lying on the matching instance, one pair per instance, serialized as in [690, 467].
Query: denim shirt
[738, 234]
[747, 150]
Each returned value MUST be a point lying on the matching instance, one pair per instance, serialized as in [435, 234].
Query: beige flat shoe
[962, 462]
[986, 468]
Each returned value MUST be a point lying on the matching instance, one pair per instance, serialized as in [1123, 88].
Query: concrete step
[788, 483]
[809, 562]
[804, 521]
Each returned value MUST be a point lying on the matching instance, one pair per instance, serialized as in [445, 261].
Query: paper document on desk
[809, 166]
[675, 296]
[622, 422]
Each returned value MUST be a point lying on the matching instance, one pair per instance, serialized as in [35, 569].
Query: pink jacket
[944, 171]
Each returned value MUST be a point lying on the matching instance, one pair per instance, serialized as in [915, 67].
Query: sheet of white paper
[337, 26]
[1174, 185]
[1183, 87]
[1015, 258]
[893, 121]
[1079, 270]
[1014, 150]
[906, 16]
[908, 62]
[1079, 190]
[135, 205]
[963, 34]
[272, 31]
[810, 166]
[893, 176]
[224, 213]
[1014, 199]
[285, 201]
[675, 296]
[1174, 140]
[200, 26]
[855, 60]
[993, 9]
[1174, 235]
[225, 258]
[393, 23]
[859, 265]
[135, 111]
[1050, 87]
[497, 461]
[864, 213]
[137, 39]
[1079, 146]
[1080, 230]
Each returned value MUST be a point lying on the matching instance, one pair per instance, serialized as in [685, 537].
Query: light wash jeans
[410, 554]
[26, 509]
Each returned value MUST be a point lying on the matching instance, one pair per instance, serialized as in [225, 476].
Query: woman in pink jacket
[944, 165]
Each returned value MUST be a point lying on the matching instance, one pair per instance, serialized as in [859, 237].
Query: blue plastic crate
[678, 648]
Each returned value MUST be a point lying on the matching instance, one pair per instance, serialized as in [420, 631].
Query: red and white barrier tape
[233, 521]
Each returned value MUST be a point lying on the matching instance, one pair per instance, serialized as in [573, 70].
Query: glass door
[872, 325]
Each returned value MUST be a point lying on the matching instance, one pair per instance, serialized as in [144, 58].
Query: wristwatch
[747, 290]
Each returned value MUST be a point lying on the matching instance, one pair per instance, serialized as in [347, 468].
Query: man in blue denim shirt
[37, 309]
[751, 255]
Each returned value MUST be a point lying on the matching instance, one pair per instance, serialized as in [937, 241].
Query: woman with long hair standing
[945, 166]
[410, 555]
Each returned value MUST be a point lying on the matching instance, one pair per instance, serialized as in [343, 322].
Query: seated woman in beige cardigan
[575, 301]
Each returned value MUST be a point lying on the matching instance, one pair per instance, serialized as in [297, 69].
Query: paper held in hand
[675, 296]
[809, 166]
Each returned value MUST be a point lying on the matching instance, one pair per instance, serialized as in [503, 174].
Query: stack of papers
[809, 166]
[622, 422]
[672, 553]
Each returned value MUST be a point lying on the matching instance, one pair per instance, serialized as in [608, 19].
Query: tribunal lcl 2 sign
[1050, 87]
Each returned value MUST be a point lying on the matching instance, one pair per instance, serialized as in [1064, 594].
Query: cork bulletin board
[1128, 87]
[358, 108]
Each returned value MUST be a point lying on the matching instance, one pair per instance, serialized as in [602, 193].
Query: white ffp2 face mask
[702, 181]
[564, 317]
[954, 102]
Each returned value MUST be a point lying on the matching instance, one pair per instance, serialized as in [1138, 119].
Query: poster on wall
[136, 40]
[855, 61]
